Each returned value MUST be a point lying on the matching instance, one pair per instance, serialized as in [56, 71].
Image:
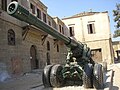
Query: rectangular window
[38, 13]
[57, 48]
[32, 8]
[91, 28]
[96, 54]
[60, 28]
[54, 24]
[44, 17]
[71, 31]
[49, 23]
[4, 5]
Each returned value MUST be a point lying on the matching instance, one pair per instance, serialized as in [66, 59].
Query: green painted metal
[78, 54]
[17, 11]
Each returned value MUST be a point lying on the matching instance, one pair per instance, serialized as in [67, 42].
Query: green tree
[116, 14]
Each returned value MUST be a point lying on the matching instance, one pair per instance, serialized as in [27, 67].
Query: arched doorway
[33, 59]
[48, 58]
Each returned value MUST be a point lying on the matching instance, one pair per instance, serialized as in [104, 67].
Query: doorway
[97, 55]
[33, 58]
[48, 58]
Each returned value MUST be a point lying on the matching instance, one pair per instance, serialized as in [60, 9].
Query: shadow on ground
[113, 87]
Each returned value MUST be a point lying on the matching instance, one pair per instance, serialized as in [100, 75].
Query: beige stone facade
[93, 29]
[23, 47]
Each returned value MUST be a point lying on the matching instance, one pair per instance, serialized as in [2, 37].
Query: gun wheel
[46, 76]
[98, 76]
[56, 79]
[87, 76]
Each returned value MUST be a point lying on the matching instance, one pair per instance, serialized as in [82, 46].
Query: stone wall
[17, 57]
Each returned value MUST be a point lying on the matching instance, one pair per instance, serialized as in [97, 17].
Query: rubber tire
[46, 76]
[98, 77]
[87, 76]
[56, 78]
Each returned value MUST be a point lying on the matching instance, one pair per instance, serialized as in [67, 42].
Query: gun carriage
[79, 66]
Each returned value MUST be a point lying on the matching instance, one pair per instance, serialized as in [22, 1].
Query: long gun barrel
[79, 64]
[17, 11]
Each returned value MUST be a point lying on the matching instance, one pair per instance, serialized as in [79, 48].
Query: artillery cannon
[79, 66]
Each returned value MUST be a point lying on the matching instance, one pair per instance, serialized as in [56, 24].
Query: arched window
[11, 37]
[57, 48]
[48, 58]
[48, 45]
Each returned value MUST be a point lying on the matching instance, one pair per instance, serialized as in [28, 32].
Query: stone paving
[24, 82]
[33, 81]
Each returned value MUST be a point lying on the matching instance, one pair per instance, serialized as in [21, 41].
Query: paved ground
[33, 81]
[116, 76]
[24, 82]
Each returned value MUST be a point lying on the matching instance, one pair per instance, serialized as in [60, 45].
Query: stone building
[24, 47]
[93, 29]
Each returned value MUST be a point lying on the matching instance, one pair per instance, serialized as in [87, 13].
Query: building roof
[83, 14]
[43, 4]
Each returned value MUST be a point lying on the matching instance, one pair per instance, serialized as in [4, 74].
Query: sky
[66, 8]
